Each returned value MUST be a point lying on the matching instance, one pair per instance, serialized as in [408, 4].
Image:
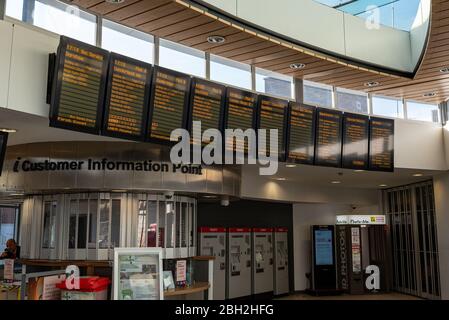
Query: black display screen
[240, 114]
[355, 141]
[168, 104]
[381, 144]
[3, 143]
[207, 101]
[301, 133]
[79, 87]
[328, 138]
[127, 95]
[272, 114]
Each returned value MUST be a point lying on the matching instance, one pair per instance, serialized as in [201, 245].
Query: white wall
[254, 186]
[441, 190]
[419, 145]
[340, 33]
[5, 61]
[418, 32]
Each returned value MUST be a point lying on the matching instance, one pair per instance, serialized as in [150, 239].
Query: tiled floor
[380, 296]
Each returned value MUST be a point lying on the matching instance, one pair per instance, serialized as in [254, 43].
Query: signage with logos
[361, 219]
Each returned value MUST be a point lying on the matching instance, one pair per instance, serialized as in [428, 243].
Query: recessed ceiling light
[290, 165]
[429, 94]
[418, 175]
[8, 130]
[281, 179]
[371, 84]
[115, 1]
[297, 66]
[216, 39]
[383, 185]
[444, 70]
[16, 194]
[336, 182]
[359, 170]
[210, 197]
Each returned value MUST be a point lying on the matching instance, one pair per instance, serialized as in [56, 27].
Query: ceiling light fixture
[429, 94]
[290, 165]
[418, 175]
[359, 170]
[115, 1]
[8, 130]
[444, 70]
[297, 66]
[371, 84]
[281, 179]
[383, 185]
[336, 182]
[216, 39]
[210, 197]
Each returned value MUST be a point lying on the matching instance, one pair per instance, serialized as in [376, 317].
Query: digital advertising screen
[324, 245]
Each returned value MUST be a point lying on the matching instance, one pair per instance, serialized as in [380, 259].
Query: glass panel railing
[399, 14]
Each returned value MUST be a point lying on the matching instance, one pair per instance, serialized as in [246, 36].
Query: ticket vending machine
[281, 280]
[239, 263]
[262, 268]
[212, 242]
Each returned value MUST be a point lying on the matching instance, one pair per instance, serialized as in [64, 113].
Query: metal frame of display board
[140, 252]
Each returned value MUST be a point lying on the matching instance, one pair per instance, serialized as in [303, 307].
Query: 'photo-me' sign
[361, 219]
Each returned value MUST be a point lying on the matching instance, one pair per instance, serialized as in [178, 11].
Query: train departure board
[206, 106]
[127, 98]
[79, 86]
[3, 143]
[168, 105]
[301, 133]
[272, 114]
[240, 114]
[328, 138]
[381, 145]
[355, 141]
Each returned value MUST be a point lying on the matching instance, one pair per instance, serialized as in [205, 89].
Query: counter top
[197, 287]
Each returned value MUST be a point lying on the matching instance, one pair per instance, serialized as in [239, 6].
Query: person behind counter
[12, 250]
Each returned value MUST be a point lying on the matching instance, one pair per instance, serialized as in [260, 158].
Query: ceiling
[181, 21]
[323, 177]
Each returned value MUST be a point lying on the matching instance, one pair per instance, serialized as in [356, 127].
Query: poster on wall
[138, 274]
